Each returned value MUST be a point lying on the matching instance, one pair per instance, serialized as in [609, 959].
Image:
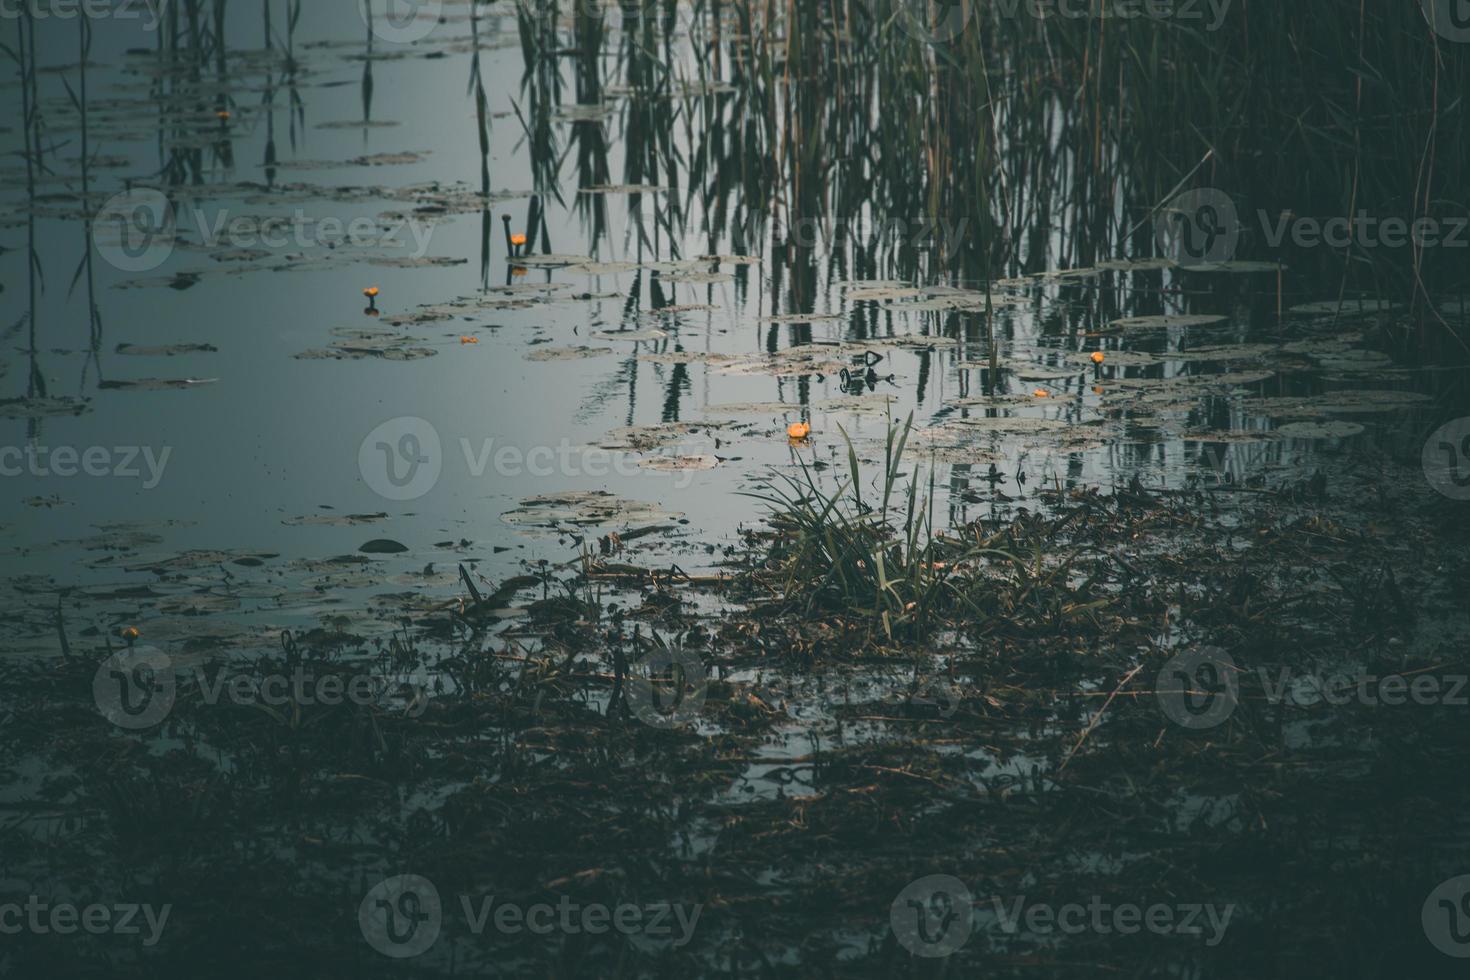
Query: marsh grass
[880, 558]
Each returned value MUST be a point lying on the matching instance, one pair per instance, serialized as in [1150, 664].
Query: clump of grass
[838, 552]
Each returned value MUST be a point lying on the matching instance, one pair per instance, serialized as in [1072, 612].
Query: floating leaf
[1319, 430]
[584, 508]
[566, 353]
[678, 463]
[1165, 321]
[155, 384]
[1348, 307]
[631, 335]
[383, 546]
[168, 350]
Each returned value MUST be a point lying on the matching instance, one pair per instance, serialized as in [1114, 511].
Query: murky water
[653, 340]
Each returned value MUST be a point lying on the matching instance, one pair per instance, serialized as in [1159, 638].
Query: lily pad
[1319, 430]
[156, 384]
[383, 546]
[577, 353]
[650, 333]
[1348, 307]
[1166, 321]
[584, 508]
[167, 350]
[551, 260]
[704, 461]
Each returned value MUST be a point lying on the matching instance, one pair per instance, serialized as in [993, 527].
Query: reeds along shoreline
[1021, 142]
[1016, 143]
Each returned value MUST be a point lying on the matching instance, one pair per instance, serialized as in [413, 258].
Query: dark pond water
[229, 395]
[434, 343]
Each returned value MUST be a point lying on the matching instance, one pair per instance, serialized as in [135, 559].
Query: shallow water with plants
[535, 488]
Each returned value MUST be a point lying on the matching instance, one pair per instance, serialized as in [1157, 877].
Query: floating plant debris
[166, 350]
[155, 384]
[1319, 430]
[1165, 321]
[383, 546]
[585, 508]
[703, 461]
[566, 353]
[1347, 307]
[632, 335]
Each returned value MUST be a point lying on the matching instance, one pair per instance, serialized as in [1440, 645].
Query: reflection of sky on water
[278, 437]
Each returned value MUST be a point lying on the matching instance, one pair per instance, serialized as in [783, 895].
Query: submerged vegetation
[834, 557]
[1020, 747]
